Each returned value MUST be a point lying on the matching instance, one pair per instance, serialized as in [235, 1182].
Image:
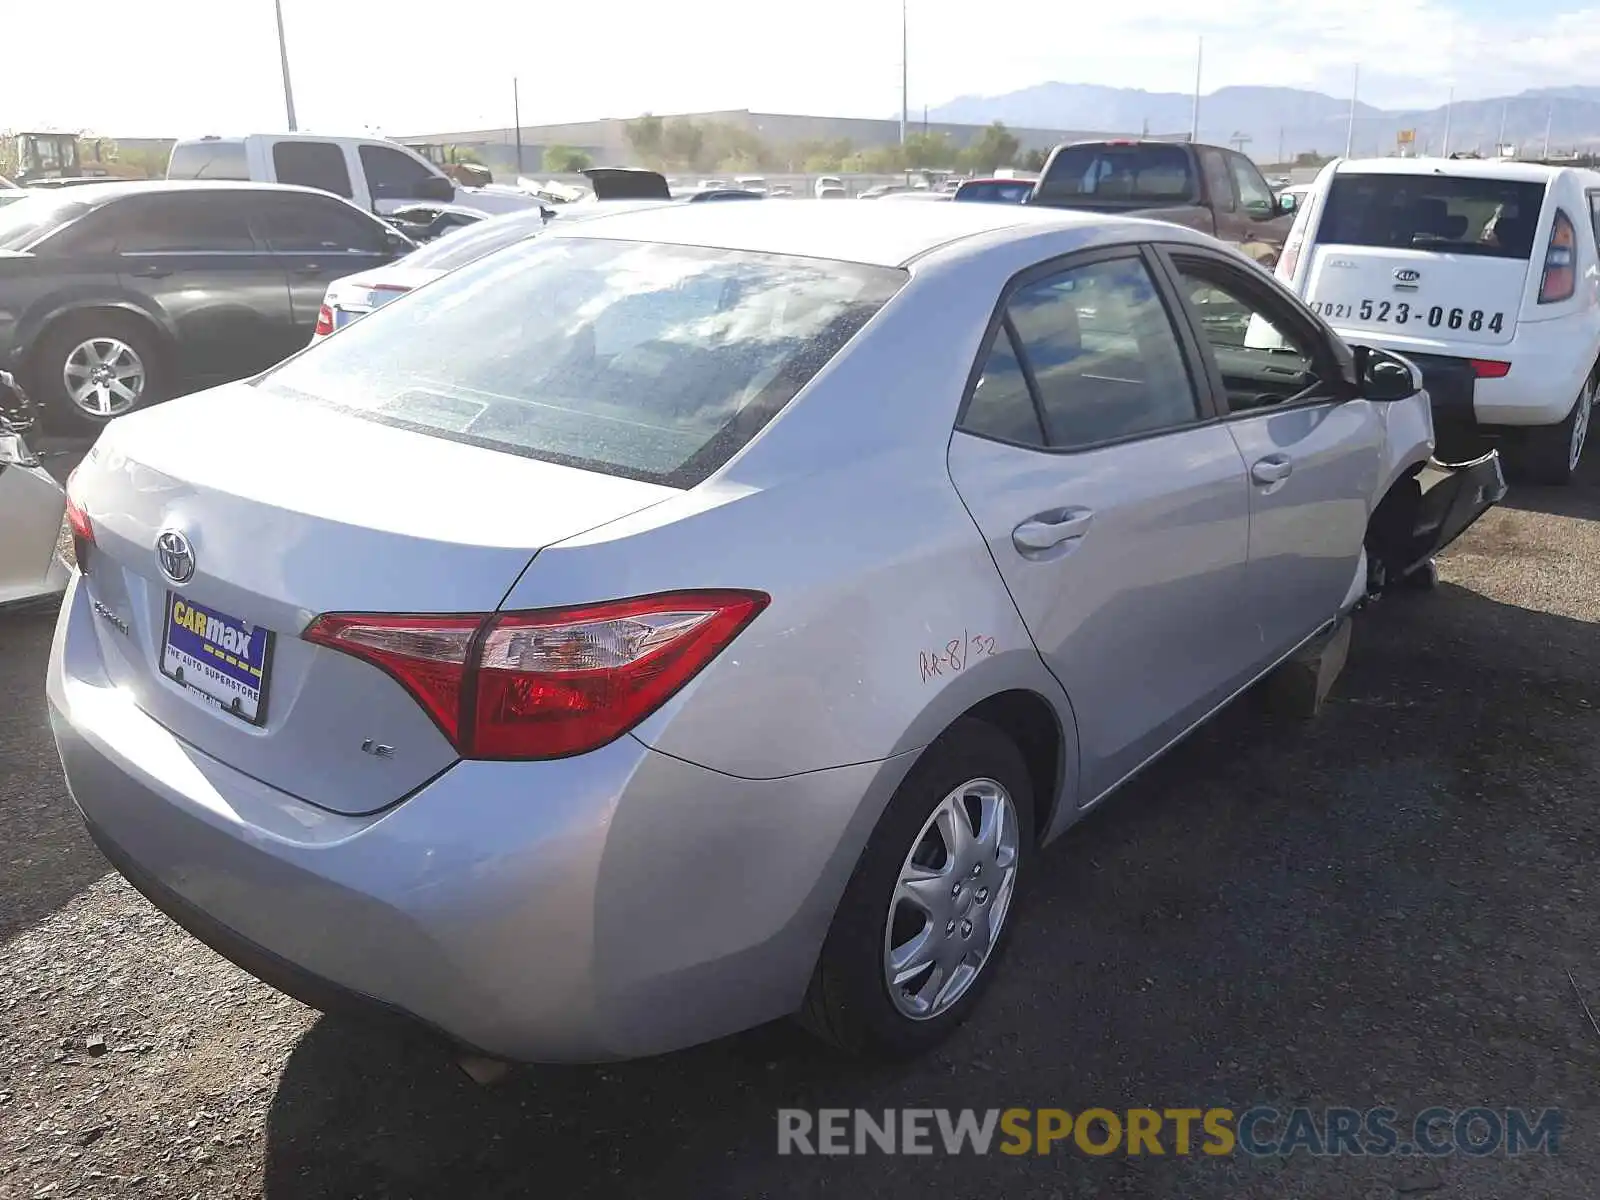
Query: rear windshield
[25, 221]
[654, 362]
[474, 241]
[208, 160]
[1492, 218]
[1138, 174]
[1005, 191]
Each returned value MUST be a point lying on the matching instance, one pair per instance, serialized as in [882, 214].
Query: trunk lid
[1439, 258]
[291, 509]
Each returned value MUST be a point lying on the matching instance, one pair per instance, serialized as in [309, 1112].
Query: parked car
[1484, 274]
[123, 293]
[831, 193]
[824, 183]
[1210, 188]
[31, 566]
[376, 174]
[995, 191]
[919, 194]
[461, 702]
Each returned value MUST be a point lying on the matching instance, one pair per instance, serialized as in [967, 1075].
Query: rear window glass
[208, 160]
[1492, 218]
[474, 241]
[654, 362]
[26, 221]
[1001, 191]
[1138, 174]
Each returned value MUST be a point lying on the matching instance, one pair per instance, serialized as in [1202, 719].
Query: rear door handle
[152, 271]
[1047, 530]
[1275, 468]
[309, 269]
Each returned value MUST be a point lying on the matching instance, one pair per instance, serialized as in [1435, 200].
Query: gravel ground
[1378, 907]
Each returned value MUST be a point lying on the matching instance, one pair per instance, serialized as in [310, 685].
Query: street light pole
[905, 98]
[1448, 105]
[283, 57]
[1194, 111]
[1350, 130]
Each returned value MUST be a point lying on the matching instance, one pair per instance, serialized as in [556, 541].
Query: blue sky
[194, 66]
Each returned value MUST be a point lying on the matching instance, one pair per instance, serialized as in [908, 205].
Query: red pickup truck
[1209, 188]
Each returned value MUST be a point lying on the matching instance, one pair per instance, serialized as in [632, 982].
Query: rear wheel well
[1027, 718]
[116, 311]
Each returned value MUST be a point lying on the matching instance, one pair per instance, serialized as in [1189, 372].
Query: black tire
[848, 1002]
[1545, 455]
[49, 359]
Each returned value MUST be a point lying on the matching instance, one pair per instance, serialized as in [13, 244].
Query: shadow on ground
[45, 857]
[1377, 907]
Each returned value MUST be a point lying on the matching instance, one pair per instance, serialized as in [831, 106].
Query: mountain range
[1278, 123]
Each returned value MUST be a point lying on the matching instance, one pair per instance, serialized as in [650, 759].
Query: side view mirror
[1386, 377]
[1287, 204]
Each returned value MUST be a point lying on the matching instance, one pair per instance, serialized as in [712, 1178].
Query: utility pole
[1549, 118]
[1280, 144]
[1499, 146]
[283, 57]
[1350, 130]
[516, 118]
[1194, 113]
[1448, 105]
[905, 42]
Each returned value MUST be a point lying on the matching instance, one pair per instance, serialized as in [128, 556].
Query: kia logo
[1407, 275]
[175, 555]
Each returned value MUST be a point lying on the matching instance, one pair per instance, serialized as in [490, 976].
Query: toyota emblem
[175, 555]
[1407, 275]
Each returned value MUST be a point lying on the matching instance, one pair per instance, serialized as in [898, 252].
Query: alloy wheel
[1580, 425]
[104, 376]
[951, 899]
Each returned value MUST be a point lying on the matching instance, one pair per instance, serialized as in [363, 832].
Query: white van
[1485, 274]
[379, 176]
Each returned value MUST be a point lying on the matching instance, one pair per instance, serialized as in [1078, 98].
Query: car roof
[94, 193]
[891, 236]
[1469, 168]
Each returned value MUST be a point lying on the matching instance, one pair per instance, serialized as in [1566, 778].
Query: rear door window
[1255, 197]
[317, 165]
[1490, 218]
[201, 223]
[655, 362]
[1138, 173]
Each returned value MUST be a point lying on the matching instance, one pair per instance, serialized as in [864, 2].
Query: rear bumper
[1550, 360]
[619, 904]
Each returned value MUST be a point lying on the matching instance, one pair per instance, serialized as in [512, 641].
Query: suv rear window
[1491, 218]
[654, 362]
[1142, 173]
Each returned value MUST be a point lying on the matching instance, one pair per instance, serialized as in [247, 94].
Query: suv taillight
[1560, 262]
[548, 683]
[324, 322]
[78, 521]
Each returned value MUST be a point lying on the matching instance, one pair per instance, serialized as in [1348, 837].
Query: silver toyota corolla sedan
[700, 615]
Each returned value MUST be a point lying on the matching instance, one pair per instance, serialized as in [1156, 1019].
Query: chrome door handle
[1046, 530]
[1274, 468]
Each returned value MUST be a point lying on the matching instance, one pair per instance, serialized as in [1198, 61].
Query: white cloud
[188, 66]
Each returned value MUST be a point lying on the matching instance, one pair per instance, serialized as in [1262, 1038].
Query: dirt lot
[1380, 907]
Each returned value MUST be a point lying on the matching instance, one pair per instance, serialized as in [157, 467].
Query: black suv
[117, 295]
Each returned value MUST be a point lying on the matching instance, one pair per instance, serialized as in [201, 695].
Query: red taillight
[1560, 262]
[389, 287]
[78, 521]
[547, 683]
[1489, 368]
[1289, 260]
[324, 322]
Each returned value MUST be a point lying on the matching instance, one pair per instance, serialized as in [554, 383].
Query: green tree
[817, 156]
[930, 150]
[644, 137]
[566, 160]
[683, 144]
[1033, 160]
[996, 146]
[877, 160]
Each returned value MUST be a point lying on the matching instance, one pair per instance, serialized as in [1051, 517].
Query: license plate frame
[214, 668]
